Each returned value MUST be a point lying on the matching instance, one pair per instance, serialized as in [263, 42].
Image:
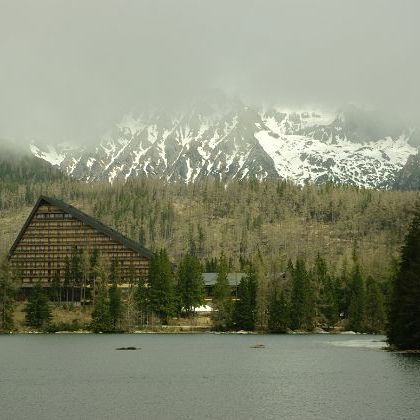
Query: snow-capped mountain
[236, 141]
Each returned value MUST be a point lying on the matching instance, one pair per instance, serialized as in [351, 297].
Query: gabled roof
[88, 220]
[233, 278]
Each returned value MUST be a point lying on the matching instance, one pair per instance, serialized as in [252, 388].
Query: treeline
[93, 282]
[302, 297]
[288, 296]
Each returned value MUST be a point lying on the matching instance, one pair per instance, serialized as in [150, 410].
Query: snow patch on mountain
[50, 155]
[237, 141]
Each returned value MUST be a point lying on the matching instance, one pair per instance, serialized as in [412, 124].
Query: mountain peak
[227, 139]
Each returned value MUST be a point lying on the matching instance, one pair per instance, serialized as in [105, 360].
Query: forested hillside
[274, 219]
[22, 175]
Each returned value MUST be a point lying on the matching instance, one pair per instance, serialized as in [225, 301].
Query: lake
[206, 376]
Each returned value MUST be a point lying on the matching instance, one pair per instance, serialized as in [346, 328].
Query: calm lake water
[205, 376]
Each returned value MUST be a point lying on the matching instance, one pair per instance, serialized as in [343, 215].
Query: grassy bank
[72, 318]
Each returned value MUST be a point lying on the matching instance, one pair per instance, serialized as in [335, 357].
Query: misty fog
[69, 70]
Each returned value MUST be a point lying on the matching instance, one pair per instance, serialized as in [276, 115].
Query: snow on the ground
[51, 155]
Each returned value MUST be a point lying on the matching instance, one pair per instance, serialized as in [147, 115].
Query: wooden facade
[52, 232]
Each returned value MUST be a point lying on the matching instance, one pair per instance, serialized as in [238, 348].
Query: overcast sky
[70, 69]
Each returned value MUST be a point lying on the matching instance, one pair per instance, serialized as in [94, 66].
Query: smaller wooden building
[53, 231]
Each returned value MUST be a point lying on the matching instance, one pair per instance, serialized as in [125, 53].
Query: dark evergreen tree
[101, 316]
[302, 298]
[374, 307]
[190, 286]
[404, 315]
[326, 293]
[8, 291]
[115, 272]
[356, 315]
[330, 300]
[85, 274]
[115, 305]
[162, 287]
[211, 266]
[222, 299]
[244, 314]
[142, 300]
[75, 272]
[279, 312]
[38, 313]
[320, 278]
[115, 302]
[343, 291]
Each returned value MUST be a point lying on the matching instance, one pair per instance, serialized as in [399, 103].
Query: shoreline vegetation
[78, 320]
[300, 299]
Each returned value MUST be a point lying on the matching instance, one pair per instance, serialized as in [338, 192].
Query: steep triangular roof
[88, 220]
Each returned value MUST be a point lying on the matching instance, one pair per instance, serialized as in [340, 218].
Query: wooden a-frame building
[54, 229]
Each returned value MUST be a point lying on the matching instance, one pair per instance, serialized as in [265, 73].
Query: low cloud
[69, 70]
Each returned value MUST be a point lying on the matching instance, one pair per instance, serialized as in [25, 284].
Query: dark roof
[88, 220]
[233, 278]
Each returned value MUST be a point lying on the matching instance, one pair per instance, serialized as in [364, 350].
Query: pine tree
[302, 298]
[211, 265]
[115, 302]
[404, 315]
[162, 288]
[8, 291]
[222, 299]
[244, 314]
[142, 301]
[75, 271]
[115, 305]
[38, 313]
[320, 274]
[190, 287]
[374, 308]
[343, 290]
[326, 287]
[263, 289]
[101, 317]
[356, 315]
[114, 272]
[279, 312]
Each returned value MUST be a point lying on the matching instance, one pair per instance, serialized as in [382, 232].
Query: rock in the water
[128, 348]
